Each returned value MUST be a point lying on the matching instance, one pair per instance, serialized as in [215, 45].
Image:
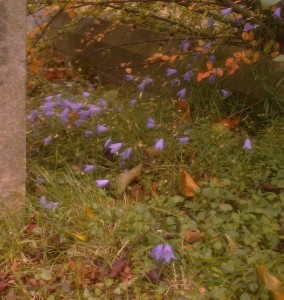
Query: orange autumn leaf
[173, 58]
[278, 295]
[209, 65]
[248, 36]
[71, 13]
[36, 65]
[188, 185]
[232, 71]
[229, 62]
[254, 43]
[230, 122]
[276, 46]
[275, 53]
[200, 76]
[256, 56]
[247, 61]
[154, 57]
[270, 281]
[128, 70]
[220, 72]
[165, 58]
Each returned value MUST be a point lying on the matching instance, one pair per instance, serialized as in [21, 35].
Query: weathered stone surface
[12, 104]
[119, 45]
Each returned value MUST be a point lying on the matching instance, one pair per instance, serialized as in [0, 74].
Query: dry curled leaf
[124, 179]
[188, 185]
[193, 236]
[232, 244]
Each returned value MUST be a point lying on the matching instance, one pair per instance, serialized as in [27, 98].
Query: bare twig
[49, 22]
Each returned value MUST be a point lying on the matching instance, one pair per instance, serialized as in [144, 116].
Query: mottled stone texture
[12, 104]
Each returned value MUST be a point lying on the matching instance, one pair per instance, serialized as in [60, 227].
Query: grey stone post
[12, 104]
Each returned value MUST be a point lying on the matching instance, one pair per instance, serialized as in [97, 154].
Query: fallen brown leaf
[124, 179]
[192, 237]
[119, 267]
[272, 283]
[188, 185]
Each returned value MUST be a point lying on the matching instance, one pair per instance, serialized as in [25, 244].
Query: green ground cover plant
[82, 239]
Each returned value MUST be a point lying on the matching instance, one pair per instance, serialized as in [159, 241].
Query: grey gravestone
[12, 104]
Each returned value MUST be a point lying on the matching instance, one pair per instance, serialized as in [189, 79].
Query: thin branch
[49, 23]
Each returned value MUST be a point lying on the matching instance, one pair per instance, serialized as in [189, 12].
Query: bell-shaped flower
[277, 13]
[157, 252]
[183, 140]
[33, 116]
[88, 133]
[211, 21]
[47, 140]
[188, 75]
[247, 144]
[171, 72]
[126, 154]
[114, 148]
[185, 46]
[101, 183]
[101, 128]
[150, 124]
[226, 11]
[89, 168]
[181, 94]
[159, 145]
[225, 93]
[248, 27]
[85, 94]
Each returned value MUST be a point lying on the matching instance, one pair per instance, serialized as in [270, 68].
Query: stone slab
[12, 104]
